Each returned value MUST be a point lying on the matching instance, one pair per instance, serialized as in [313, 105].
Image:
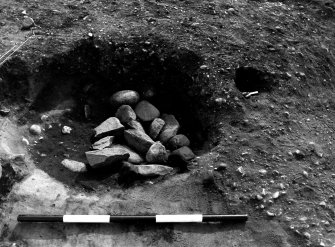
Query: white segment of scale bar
[179, 218]
[86, 218]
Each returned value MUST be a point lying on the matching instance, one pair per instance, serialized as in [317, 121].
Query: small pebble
[259, 197]
[25, 141]
[275, 195]
[66, 130]
[221, 166]
[262, 171]
[35, 129]
[44, 117]
[270, 214]
[4, 111]
[307, 235]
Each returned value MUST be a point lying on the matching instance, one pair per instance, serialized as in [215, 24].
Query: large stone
[138, 140]
[129, 172]
[107, 156]
[170, 128]
[155, 127]
[110, 127]
[74, 166]
[125, 114]
[157, 153]
[180, 157]
[103, 143]
[135, 125]
[134, 157]
[178, 141]
[146, 111]
[125, 97]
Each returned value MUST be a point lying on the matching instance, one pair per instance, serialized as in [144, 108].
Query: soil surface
[198, 58]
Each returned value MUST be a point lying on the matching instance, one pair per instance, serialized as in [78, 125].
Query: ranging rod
[174, 218]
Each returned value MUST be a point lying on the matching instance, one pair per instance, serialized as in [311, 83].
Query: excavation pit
[74, 89]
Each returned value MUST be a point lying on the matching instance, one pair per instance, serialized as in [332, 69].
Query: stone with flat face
[178, 141]
[125, 114]
[170, 128]
[134, 157]
[180, 157]
[110, 127]
[157, 154]
[124, 97]
[106, 157]
[146, 111]
[103, 143]
[138, 140]
[155, 127]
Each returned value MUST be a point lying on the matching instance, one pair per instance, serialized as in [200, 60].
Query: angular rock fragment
[181, 157]
[136, 125]
[125, 114]
[146, 111]
[110, 127]
[170, 128]
[157, 153]
[155, 127]
[138, 140]
[134, 157]
[74, 166]
[105, 157]
[124, 97]
[103, 143]
[178, 141]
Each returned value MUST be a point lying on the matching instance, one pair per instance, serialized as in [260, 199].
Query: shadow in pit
[93, 70]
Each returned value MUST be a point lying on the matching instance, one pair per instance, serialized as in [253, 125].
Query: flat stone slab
[107, 156]
[125, 97]
[146, 111]
[134, 157]
[138, 140]
[103, 143]
[157, 153]
[170, 128]
[110, 127]
[125, 114]
[155, 127]
[74, 166]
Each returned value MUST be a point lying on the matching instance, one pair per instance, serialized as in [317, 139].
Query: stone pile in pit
[123, 142]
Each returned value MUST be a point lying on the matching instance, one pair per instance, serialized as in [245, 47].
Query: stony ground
[278, 146]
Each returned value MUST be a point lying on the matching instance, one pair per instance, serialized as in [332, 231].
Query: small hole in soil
[249, 79]
[86, 78]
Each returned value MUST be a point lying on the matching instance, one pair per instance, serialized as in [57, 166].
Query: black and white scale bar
[176, 218]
